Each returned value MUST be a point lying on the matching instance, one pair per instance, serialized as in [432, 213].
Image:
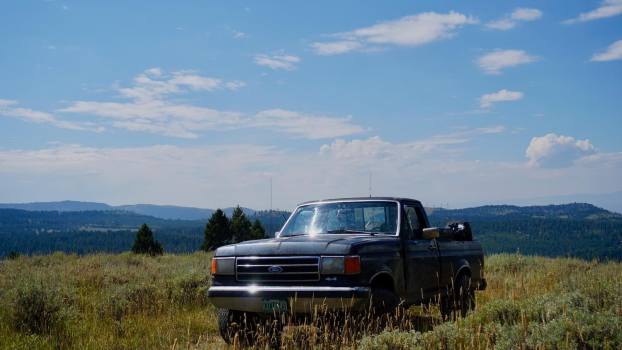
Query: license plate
[274, 305]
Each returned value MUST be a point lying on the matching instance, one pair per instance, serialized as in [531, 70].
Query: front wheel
[383, 301]
[248, 328]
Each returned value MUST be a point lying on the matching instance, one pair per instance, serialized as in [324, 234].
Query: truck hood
[340, 244]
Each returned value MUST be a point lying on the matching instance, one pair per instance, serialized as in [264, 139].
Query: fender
[385, 272]
[463, 265]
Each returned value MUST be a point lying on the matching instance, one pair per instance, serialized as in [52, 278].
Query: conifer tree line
[221, 230]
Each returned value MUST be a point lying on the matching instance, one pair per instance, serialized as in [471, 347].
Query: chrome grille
[277, 269]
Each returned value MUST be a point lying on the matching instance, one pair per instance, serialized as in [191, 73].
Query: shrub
[12, 255]
[39, 310]
[392, 340]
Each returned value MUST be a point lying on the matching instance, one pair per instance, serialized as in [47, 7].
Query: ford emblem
[275, 269]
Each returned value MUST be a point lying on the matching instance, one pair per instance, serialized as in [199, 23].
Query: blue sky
[201, 103]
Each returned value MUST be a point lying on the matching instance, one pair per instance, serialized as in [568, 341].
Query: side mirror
[431, 233]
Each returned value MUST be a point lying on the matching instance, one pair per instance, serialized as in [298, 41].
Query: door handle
[431, 247]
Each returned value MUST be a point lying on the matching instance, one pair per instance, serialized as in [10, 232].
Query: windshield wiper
[343, 230]
[295, 234]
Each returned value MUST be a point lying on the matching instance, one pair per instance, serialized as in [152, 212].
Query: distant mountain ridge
[169, 212]
[571, 211]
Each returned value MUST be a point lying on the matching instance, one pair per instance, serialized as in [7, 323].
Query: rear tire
[460, 300]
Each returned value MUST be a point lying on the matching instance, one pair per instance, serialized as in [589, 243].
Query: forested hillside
[43, 232]
[578, 230]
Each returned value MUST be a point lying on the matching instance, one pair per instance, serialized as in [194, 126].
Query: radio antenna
[270, 213]
[369, 188]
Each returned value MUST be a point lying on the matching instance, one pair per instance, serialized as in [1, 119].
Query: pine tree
[145, 243]
[217, 232]
[257, 231]
[240, 226]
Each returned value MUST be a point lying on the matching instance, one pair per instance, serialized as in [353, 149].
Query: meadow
[126, 301]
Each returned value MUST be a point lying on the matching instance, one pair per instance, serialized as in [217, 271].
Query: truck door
[421, 256]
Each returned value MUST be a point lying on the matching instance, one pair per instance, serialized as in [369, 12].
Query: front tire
[232, 323]
[383, 301]
[247, 327]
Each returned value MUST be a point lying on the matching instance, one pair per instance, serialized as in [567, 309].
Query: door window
[414, 229]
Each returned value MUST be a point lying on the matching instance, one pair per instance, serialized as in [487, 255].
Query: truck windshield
[371, 217]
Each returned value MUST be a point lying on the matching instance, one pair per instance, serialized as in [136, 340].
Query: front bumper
[300, 299]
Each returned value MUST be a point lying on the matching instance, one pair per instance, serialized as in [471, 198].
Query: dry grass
[127, 302]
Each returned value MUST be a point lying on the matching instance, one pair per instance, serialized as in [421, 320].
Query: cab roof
[399, 199]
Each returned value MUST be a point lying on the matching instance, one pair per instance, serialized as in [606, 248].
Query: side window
[413, 221]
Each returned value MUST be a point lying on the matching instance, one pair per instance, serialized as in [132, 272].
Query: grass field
[127, 302]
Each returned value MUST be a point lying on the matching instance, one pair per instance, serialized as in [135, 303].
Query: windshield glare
[343, 217]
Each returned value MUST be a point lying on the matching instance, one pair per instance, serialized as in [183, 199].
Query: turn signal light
[214, 266]
[352, 265]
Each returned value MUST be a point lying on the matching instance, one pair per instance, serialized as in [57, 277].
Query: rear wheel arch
[464, 269]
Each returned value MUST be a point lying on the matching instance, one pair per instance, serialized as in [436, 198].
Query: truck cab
[348, 254]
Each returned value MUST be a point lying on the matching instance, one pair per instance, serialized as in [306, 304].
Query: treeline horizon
[581, 231]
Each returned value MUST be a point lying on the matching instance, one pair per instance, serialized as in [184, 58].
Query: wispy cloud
[376, 148]
[305, 125]
[239, 35]
[9, 108]
[276, 62]
[510, 21]
[613, 52]
[150, 108]
[335, 47]
[487, 100]
[440, 166]
[494, 62]
[412, 30]
[607, 8]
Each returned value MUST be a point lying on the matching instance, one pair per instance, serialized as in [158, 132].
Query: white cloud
[412, 30]
[304, 125]
[501, 24]
[607, 8]
[487, 100]
[613, 52]
[235, 85]
[510, 21]
[495, 61]
[526, 14]
[239, 35]
[150, 109]
[284, 62]
[335, 47]
[8, 108]
[554, 151]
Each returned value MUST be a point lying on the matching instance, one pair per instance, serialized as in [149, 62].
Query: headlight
[339, 265]
[332, 265]
[223, 266]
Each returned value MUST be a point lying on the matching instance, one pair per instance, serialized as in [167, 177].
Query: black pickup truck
[347, 253]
